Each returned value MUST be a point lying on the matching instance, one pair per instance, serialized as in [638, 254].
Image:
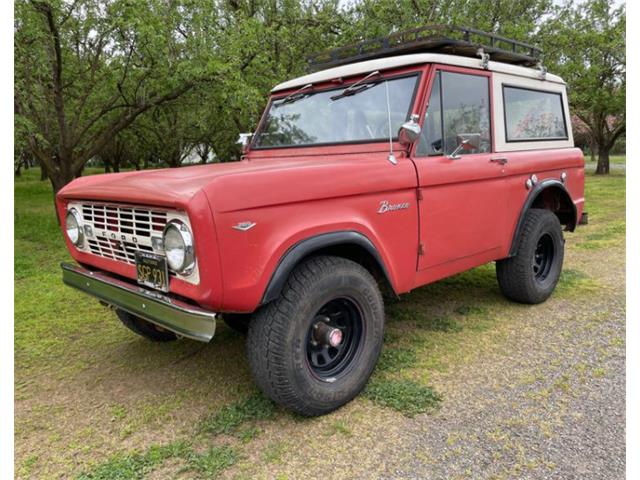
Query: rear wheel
[532, 274]
[313, 349]
[144, 328]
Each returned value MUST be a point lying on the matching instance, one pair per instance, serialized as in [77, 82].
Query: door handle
[500, 160]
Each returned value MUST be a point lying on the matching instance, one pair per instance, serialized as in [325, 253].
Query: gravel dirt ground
[470, 386]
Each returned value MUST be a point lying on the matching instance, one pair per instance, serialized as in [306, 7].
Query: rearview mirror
[409, 131]
[466, 141]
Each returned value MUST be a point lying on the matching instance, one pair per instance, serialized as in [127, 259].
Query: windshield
[316, 118]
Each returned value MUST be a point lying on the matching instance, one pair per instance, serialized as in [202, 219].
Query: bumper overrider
[180, 317]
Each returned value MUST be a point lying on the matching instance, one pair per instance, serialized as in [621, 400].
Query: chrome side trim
[180, 317]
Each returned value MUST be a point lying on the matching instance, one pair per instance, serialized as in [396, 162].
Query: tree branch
[56, 68]
[100, 140]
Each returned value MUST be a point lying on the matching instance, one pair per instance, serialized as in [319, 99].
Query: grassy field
[615, 162]
[94, 401]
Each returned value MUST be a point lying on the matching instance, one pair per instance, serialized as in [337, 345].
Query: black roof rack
[431, 38]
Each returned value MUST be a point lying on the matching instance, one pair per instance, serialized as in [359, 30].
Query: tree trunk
[58, 181]
[603, 161]
[43, 174]
[592, 147]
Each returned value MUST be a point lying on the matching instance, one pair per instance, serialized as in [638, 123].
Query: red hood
[164, 187]
[247, 184]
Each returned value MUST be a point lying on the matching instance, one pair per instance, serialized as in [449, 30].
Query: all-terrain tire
[532, 274]
[144, 328]
[237, 321]
[281, 336]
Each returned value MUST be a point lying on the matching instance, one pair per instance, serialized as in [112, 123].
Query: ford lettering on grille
[118, 231]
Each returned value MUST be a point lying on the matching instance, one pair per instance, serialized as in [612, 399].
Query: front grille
[118, 231]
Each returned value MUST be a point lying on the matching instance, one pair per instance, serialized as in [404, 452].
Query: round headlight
[74, 227]
[178, 246]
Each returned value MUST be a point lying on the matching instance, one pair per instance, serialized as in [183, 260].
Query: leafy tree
[518, 19]
[585, 44]
[85, 70]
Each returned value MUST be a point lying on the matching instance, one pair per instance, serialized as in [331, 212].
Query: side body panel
[463, 211]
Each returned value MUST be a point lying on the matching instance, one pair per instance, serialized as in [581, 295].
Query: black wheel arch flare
[569, 218]
[316, 244]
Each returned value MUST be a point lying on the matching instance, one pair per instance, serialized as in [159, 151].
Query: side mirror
[466, 141]
[409, 131]
[244, 139]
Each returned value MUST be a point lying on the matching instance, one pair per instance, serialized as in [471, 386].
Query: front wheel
[313, 349]
[532, 274]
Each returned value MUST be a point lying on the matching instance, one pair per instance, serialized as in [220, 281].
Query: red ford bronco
[395, 166]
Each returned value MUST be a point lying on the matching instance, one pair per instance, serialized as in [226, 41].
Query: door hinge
[419, 194]
[420, 249]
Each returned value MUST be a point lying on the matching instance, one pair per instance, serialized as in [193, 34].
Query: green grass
[213, 461]
[613, 159]
[231, 417]
[406, 396]
[274, 452]
[138, 465]
[396, 358]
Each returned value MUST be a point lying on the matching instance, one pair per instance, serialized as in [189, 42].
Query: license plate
[152, 271]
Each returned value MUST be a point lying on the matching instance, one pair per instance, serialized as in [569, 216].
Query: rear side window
[532, 115]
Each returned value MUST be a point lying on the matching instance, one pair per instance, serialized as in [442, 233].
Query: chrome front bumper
[175, 315]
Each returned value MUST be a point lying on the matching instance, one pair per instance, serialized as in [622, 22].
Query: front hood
[162, 187]
[249, 184]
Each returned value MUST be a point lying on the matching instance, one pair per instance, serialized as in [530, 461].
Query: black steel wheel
[314, 348]
[531, 275]
[543, 257]
[334, 337]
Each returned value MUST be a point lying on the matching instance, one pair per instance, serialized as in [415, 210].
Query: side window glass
[458, 105]
[465, 105]
[431, 135]
[533, 115]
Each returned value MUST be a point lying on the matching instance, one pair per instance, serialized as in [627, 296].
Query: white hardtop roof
[413, 59]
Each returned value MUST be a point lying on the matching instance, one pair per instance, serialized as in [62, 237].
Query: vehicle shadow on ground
[215, 373]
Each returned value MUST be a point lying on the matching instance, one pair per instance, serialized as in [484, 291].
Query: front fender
[302, 249]
[250, 258]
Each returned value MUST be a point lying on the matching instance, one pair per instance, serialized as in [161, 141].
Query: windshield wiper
[357, 87]
[295, 96]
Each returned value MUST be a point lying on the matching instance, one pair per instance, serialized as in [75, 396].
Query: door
[462, 191]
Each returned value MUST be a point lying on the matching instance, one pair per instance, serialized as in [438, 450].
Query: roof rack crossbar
[431, 38]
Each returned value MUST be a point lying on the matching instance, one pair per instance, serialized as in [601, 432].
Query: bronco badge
[391, 207]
